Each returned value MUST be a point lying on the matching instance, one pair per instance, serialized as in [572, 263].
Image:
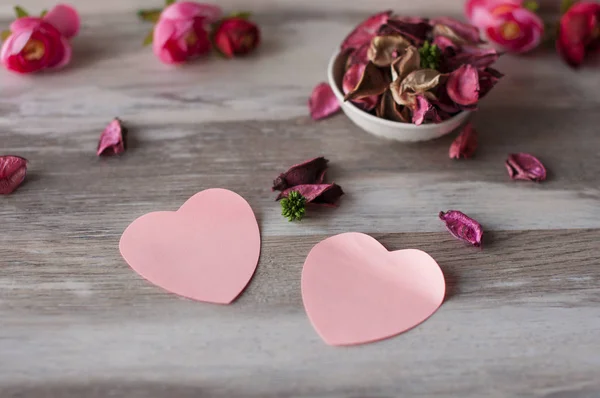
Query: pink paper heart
[207, 250]
[356, 292]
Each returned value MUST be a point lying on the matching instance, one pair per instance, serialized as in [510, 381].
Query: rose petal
[372, 83]
[384, 49]
[320, 194]
[311, 171]
[421, 80]
[112, 140]
[462, 227]
[365, 31]
[414, 30]
[351, 79]
[458, 32]
[465, 144]
[463, 85]
[524, 166]
[64, 18]
[189, 10]
[424, 111]
[479, 57]
[443, 42]
[488, 78]
[12, 173]
[323, 102]
[390, 110]
[406, 63]
[359, 55]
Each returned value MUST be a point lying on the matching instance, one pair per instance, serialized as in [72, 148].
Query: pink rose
[180, 33]
[579, 32]
[506, 24]
[36, 43]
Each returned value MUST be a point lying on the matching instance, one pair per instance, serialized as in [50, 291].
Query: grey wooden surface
[522, 316]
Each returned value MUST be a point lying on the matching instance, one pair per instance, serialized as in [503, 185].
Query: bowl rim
[368, 116]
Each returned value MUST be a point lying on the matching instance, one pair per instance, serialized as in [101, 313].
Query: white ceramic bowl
[387, 128]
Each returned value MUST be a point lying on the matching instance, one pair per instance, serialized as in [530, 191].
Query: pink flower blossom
[579, 32]
[36, 43]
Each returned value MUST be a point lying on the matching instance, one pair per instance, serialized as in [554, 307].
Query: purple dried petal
[361, 85]
[423, 107]
[462, 227]
[465, 144]
[459, 32]
[359, 55]
[487, 80]
[309, 172]
[390, 110]
[12, 173]
[112, 141]
[524, 166]
[320, 194]
[479, 57]
[463, 85]
[322, 102]
[443, 42]
[365, 31]
[416, 30]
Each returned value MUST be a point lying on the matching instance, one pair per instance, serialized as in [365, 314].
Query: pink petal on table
[65, 19]
[112, 140]
[322, 102]
[524, 166]
[12, 173]
[465, 144]
[462, 227]
[463, 85]
[365, 31]
[321, 194]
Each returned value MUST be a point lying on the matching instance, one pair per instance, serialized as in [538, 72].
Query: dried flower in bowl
[433, 69]
[311, 171]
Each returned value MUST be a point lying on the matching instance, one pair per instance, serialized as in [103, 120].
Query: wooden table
[522, 316]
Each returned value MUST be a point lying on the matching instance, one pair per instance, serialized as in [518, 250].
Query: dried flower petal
[524, 166]
[372, 82]
[112, 140]
[406, 63]
[320, 194]
[311, 171]
[465, 144]
[463, 85]
[424, 111]
[351, 79]
[385, 49]
[359, 56]
[462, 227]
[479, 57]
[322, 102]
[488, 78]
[458, 32]
[365, 31]
[390, 110]
[414, 29]
[422, 80]
[12, 173]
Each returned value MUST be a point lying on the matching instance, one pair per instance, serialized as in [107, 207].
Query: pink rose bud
[236, 36]
[36, 43]
[180, 33]
[579, 32]
[12, 173]
[506, 24]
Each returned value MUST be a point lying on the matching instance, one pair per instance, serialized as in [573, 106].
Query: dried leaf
[365, 31]
[465, 144]
[390, 110]
[406, 63]
[479, 57]
[12, 173]
[372, 82]
[385, 49]
[524, 166]
[351, 79]
[311, 171]
[112, 140]
[462, 227]
[459, 32]
[488, 78]
[421, 80]
[463, 85]
[322, 102]
[320, 194]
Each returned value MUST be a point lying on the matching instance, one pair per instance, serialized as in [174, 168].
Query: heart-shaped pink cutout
[207, 250]
[356, 292]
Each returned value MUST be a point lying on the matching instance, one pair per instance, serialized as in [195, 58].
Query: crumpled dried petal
[365, 31]
[112, 140]
[424, 111]
[12, 173]
[320, 194]
[390, 110]
[372, 82]
[351, 79]
[465, 144]
[524, 166]
[358, 56]
[322, 102]
[459, 32]
[311, 171]
[385, 49]
[462, 227]
[414, 29]
[421, 80]
[463, 85]
[479, 57]
[488, 78]
[406, 63]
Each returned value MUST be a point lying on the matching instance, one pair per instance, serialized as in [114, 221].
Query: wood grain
[521, 318]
